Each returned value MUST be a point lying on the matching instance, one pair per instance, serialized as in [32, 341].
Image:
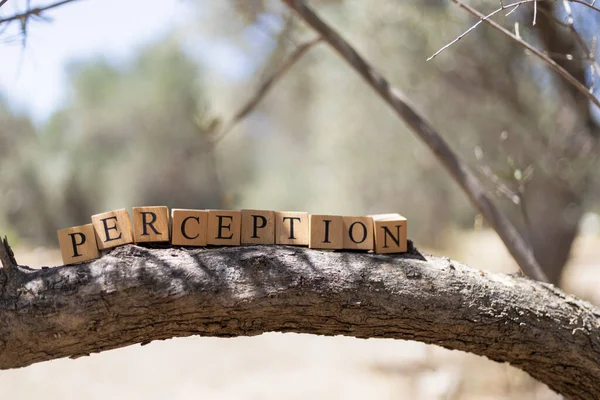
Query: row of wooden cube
[384, 233]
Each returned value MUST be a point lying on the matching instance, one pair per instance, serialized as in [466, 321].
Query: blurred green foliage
[127, 136]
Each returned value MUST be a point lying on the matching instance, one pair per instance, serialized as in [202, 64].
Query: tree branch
[550, 62]
[266, 86]
[136, 295]
[459, 170]
[37, 11]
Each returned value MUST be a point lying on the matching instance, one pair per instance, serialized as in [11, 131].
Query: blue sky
[33, 78]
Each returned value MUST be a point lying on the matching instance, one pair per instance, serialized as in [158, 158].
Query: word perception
[381, 233]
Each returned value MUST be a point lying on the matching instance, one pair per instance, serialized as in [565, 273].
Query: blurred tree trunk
[554, 213]
[554, 203]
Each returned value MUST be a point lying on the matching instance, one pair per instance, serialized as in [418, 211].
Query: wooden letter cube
[112, 229]
[326, 232]
[358, 233]
[258, 227]
[390, 233]
[224, 227]
[189, 227]
[291, 228]
[78, 244]
[150, 224]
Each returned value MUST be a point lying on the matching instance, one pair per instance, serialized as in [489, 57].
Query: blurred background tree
[141, 131]
[532, 136]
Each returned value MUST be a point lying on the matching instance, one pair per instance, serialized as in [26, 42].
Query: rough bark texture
[136, 295]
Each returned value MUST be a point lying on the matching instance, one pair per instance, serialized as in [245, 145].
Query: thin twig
[543, 55]
[512, 11]
[264, 89]
[553, 64]
[35, 11]
[513, 6]
[465, 33]
[458, 169]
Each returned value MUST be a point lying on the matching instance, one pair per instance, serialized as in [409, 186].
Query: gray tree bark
[136, 295]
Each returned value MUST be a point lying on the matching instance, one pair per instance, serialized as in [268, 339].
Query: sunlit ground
[290, 366]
